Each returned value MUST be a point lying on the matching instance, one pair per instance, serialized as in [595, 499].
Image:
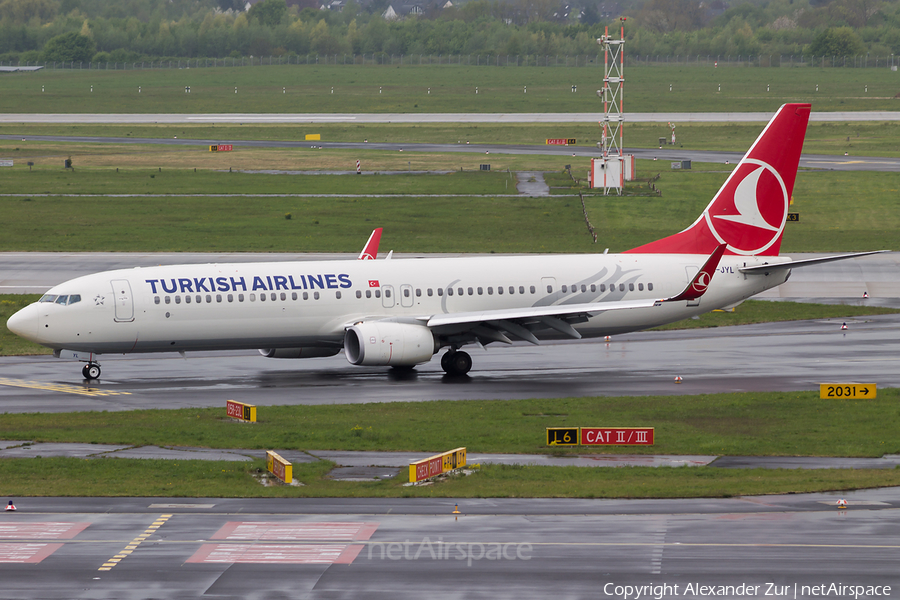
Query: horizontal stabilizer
[804, 263]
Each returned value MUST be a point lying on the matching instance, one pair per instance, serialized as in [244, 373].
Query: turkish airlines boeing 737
[400, 313]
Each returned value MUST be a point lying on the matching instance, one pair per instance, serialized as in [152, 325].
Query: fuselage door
[124, 301]
[406, 295]
[387, 296]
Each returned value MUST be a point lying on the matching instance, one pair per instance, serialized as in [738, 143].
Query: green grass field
[740, 424]
[760, 424]
[308, 89]
[201, 479]
[413, 223]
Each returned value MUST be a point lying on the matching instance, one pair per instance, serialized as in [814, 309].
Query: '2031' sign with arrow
[851, 391]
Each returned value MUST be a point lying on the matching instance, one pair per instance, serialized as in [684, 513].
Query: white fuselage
[310, 304]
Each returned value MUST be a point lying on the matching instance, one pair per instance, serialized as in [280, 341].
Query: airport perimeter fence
[862, 61]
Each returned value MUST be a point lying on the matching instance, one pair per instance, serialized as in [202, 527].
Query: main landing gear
[456, 362]
[91, 371]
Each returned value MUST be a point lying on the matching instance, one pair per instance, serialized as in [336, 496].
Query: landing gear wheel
[456, 362]
[91, 371]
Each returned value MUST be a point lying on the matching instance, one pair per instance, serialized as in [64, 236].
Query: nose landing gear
[91, 371]
[456, 362]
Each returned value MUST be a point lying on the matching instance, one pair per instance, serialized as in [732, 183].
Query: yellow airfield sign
[851, 391]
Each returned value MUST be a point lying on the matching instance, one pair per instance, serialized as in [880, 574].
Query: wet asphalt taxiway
[272, 549]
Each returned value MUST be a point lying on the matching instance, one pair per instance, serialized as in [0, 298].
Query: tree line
[146, 30]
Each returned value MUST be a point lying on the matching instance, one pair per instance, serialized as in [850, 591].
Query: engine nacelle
[389, 344]
[309, 352]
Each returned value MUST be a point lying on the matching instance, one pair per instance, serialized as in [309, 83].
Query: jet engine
[392, 344]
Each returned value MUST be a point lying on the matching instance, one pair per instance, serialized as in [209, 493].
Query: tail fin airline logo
[366, 256]
[750, 211]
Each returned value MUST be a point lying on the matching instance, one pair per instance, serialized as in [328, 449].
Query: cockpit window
[64, 300]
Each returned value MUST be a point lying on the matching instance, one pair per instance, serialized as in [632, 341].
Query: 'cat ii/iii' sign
[600, 436]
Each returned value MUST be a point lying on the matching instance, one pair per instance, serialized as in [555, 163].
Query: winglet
[371, 249]
[702, 279]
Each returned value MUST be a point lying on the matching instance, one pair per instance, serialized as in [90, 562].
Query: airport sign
[617, 436]
[437, 465]
[279, 467]
[850, 391]
[562, 436]
[241, 411]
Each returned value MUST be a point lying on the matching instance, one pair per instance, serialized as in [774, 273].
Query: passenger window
[168, 300]
[641, 287]
[449, 291]
[583, 288]
[218, 298]
[199, 299]
[283, 296]
[252, 297]
[429, 292]
[621, 287]
[231, 297]
[650, 286]
[630, 287]
[499, 290]
[240, 297]
[471, 292]
[440, 291]
[306, 295]
[593, 288]
[368, 293]
[187, 300]
[531, 289]
[62, 300]
[377, 293]
[209, 298]
[521, 289]
[274, 297]
[406, 293]
[565, 289]
[316, 295]
[549, 289]
[358, 294]
[387, 293]
[337, 294]
[294, 295]
[480, 291]
[602, 287]
[262, 297]
[419, 293]
[177, 299]
[155, 299]
[459, 291]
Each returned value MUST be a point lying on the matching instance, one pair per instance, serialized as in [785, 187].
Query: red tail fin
[750, 210]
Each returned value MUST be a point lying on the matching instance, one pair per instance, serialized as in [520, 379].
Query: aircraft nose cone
[24, 323]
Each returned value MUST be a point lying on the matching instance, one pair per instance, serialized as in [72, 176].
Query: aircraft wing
[495, 324]
[804, 263]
